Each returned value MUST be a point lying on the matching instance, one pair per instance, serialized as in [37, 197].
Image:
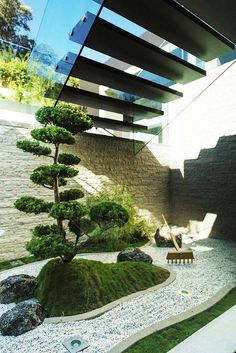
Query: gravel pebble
[213, 268]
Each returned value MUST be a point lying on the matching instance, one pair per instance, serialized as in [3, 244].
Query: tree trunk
[68, 257]
[56, 193]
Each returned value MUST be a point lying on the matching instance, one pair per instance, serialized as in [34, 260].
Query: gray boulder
[19, 287]
[135, 255]
[24, 317]
[166, 243]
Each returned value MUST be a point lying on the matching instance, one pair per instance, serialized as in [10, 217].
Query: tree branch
[47, 187]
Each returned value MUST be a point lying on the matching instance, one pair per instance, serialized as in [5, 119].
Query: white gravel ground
[213, 268]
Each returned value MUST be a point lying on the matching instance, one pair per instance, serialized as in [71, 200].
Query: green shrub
[50, 245]
[109, 214]
[33, 147]
[68, 210]
[136, 228]
[56, 171]
[41, 230]
[107, 241]
[53, 134]
[68, 159]
[23, 79]
[46, 174]
[71, 194]
[66, 116]
[13, 72]
[31, 204]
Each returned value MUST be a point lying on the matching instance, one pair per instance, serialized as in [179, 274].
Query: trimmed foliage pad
[83, 285]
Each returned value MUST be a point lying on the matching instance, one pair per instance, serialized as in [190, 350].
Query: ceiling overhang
[173, 22]
[219, 14]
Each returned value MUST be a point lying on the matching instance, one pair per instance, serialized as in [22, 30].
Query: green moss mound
[83, 285]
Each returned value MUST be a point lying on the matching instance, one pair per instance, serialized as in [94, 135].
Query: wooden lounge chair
[179, 255]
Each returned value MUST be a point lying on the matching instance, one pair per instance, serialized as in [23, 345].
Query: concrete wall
[205, 113]
[103, 160]
[208, 190]
[203, 152]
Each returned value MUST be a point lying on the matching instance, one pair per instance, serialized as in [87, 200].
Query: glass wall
[53, 41]
[62, 37]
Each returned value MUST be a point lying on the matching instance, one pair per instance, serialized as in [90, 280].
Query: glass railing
[62, 34]
[53, 40]
[62, 37]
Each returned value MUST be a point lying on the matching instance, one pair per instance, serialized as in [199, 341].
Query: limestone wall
[103, 160]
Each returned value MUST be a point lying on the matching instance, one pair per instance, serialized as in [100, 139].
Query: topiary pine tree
[60, 124]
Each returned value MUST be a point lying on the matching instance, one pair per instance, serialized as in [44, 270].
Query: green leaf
[109, 214]
[49, 115]
[53, 134]
[42, 230]
[34, 205]
[71, 194]
[33, 147]
[57, 170]
[47, 182]
[67, 116]
[68, 210]
[49, 246]
[45, 175]
[68, 159]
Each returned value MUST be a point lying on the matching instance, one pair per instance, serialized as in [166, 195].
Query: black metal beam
[123, 126]
[171, 21]
[219, 14]
[94, 100]
[115, 42]
[92, 71]
[106, 123]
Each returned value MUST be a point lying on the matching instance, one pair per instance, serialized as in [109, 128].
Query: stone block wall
[208, 186]
[103, 160]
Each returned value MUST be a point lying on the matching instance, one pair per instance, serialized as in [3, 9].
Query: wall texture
[208, 186]
[103, 160]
